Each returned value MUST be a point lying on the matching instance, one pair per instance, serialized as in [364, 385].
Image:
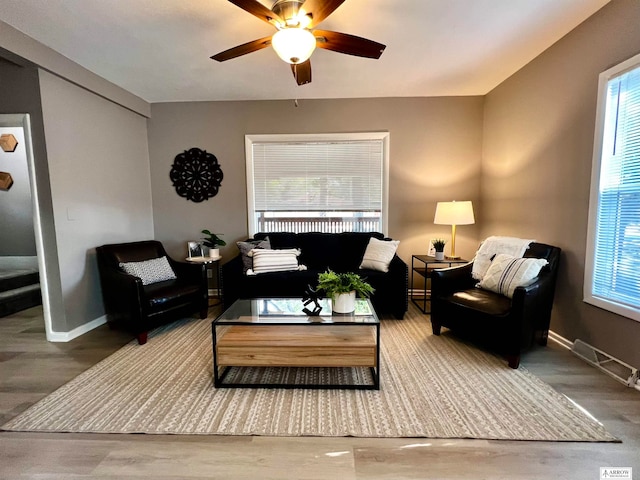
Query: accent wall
[435, 154]
[536, 168]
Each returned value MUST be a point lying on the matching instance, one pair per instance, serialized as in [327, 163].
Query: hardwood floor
[31, 368]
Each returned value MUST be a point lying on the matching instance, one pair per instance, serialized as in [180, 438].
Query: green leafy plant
[438, 244]
[333, 283]
[212, 240]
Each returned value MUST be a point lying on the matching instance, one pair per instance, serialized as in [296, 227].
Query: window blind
[318, 176]
[616, 271]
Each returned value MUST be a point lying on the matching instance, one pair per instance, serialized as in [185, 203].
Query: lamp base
[455, 257]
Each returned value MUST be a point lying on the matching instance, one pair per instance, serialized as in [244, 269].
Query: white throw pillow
[379, 254]
[150, 271]
[506, 273]
[265, 261]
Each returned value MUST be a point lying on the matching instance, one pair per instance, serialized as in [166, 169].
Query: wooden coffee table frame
[285, 344]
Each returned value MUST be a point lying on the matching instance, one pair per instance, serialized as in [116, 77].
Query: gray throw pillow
[246, 247]
[150, 271]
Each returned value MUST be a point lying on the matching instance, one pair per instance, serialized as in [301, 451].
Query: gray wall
[27, 49]
[17, 237]
[99, 171]
[20, 93]
[435, 154]
[99, 167]
[537, 154]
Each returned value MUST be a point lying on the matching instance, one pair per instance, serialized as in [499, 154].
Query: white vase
[439, 255]
[344, 302]
[214, 252]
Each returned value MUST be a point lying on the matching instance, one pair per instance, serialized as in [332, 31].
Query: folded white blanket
[493, 245]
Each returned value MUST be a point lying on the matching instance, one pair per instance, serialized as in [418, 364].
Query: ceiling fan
[297, 38]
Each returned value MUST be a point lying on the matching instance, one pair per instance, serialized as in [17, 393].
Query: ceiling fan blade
[242, 49]
[257, 9]
[349, 44]
[302, 72]
[319, 9]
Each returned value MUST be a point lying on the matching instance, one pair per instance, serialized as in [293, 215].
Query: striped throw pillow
[506, 273]
[265, 261]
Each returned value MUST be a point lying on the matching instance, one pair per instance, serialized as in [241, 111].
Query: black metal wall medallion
[196, 175]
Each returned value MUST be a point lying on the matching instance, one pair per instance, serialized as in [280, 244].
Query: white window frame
[250, 139]
[589, 296]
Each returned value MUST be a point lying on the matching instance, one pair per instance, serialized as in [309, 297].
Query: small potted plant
[213, 241]
[342, 289]
[438, 245]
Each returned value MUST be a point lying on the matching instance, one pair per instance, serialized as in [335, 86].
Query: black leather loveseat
[341, 252]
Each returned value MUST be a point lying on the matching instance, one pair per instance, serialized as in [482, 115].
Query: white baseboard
[76, 332]
[598, 359]
[612, 366]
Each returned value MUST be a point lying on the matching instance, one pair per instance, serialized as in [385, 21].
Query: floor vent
[610, 365]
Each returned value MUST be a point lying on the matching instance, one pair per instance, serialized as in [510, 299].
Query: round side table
[207, 262]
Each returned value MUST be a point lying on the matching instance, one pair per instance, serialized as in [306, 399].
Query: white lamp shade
[454, 213]
[294, 45]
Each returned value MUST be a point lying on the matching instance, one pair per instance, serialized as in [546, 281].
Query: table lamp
[454, 213]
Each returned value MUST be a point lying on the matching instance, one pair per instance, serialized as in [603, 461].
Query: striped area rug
[435, 387]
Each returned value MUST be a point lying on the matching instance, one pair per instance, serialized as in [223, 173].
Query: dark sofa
[341, 252]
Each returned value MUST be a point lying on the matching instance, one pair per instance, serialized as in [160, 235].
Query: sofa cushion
[278, 284]
[506, 273]
[164, 295]
[379, 254]
[481, 300]
[150, 271]
[279, 240]
[318, 249]
[352, 248]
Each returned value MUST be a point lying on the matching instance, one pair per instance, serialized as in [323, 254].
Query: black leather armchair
[508, 325]
[139, 308]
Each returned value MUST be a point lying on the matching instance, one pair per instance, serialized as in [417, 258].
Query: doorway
[22, 123]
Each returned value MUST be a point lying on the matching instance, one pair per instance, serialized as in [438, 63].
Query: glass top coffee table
[271, 342]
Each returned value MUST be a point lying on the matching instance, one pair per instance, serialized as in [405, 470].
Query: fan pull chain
[295, 102]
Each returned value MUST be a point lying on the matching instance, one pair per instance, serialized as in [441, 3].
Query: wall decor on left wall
[196, 175]
[6, 181]
[8, 142]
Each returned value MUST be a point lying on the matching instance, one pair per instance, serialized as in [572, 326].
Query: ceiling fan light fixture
[294, 45]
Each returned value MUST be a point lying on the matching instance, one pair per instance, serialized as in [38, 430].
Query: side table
[207, 262]
[422, 265]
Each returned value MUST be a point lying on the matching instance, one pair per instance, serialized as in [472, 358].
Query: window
[321, 183]
[612, 276]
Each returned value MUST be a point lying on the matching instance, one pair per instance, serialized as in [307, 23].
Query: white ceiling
[160, 49]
